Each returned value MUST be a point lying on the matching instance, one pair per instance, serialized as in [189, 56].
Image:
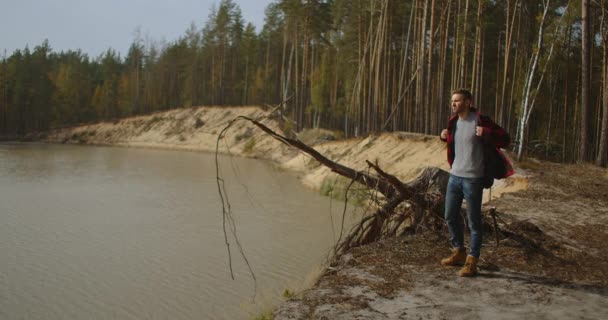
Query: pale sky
[96, 25]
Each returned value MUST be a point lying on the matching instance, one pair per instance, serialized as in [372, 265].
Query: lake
[120, 233]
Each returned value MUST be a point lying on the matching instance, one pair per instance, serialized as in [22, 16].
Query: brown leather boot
[457, 258]
[470, 267]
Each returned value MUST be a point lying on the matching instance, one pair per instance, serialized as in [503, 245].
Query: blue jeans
[470, 189]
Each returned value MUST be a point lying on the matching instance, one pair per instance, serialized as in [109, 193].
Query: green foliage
[530, 164]
[198, 123]
[338, 134]
[150, 123]
[266, 315]
[316, 136]
[80, 137]
[288, 128]
[248, 148]
[288, 294]
[244, 135]
[177, 128]
[335, 187]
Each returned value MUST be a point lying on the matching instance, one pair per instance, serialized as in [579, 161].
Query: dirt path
[401, 279]
[555, 268]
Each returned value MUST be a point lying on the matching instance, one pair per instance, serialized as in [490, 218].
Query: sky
[96, 25]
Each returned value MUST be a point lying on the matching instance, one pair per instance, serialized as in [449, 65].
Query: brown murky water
[117, 233]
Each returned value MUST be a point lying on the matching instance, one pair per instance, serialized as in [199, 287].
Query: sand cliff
[197, 129]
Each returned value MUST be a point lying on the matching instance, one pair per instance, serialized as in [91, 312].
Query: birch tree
[531, 89]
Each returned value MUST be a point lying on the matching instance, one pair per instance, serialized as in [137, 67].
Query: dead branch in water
[404, 206]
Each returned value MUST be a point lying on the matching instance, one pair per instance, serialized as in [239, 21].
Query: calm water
[117, 233]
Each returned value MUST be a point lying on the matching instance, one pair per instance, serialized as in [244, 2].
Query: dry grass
[395, 264]
[316, 136]
[529, 164]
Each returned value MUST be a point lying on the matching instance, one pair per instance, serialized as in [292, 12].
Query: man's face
[459, 103]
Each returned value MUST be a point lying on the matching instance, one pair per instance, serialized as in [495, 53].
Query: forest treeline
[538, 67]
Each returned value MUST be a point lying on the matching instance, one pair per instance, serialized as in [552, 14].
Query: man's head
[462, 99]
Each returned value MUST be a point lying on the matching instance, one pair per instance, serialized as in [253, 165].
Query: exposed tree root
[418, 204]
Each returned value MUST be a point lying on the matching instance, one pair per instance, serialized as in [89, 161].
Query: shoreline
[196, 129]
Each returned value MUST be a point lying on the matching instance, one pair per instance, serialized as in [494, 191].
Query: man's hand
[479, 131]
[444, 134]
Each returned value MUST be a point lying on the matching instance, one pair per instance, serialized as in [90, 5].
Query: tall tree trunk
[553, 85]
[287, 79]
[283, 77]
[246, 87]
[377, 71]
[602, 154]
[497, 97]
[576, 146]
[509, 23]
[477, 54]
[455, 78]
[296, 78]
[480, 70]
[585, 102]
[516, 71]
[429, 67]
[564, 128]
[420, 58]
[406, 66]
[303, 78]
[463, 46]
[445, 30]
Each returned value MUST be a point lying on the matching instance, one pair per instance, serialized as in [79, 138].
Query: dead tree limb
[416, 202]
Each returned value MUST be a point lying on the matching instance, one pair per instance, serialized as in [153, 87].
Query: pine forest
[538, 67]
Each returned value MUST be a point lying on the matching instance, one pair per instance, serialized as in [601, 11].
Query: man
[473, 153]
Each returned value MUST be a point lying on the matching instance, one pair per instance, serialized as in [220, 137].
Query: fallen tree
[397, 206]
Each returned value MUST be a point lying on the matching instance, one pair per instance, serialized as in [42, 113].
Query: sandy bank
[197, 129]
[193, 129]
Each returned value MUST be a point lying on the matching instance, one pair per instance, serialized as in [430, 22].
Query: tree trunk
[510, 22]
[445, 35]
[454, 83]
[463, 46]
[585, 103]
[602, 154]
[553, 85]
[564, 142]
[246, 87]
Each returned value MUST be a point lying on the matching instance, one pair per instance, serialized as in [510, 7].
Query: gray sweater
[468, 149]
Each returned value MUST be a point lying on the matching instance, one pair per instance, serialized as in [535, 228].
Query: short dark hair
[464, 92]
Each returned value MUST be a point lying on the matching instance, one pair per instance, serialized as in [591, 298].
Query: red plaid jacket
[494, 137]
